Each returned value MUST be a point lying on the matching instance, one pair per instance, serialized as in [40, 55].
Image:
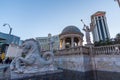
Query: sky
[37, 18]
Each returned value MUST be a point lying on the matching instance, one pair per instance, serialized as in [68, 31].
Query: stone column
[72, 41]
[79, 43]
[63, 44]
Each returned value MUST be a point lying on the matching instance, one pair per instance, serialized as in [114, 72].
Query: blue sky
[37, 18]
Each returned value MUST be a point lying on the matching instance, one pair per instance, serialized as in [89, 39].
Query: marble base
[89, 45]
[16, 76]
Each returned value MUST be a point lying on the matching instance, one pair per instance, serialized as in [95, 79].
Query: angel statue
[88, 30]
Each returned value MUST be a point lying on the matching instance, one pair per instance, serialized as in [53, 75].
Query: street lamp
[9, 31]
[118, 2]
[9, 27]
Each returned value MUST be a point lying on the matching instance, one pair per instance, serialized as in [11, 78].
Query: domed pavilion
[71, 36]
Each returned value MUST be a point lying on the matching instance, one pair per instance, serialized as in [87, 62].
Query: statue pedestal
[89, 45]
[39, 75]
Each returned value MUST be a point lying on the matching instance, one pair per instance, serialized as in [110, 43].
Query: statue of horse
[33, 60]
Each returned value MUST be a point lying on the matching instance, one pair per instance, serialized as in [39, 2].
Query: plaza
[60, 40]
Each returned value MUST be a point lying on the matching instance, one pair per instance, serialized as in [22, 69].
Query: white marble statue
[87, 31]
[34, 61]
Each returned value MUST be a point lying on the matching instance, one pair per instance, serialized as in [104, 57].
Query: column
[63, 44]
[80, 42]
[72, 41]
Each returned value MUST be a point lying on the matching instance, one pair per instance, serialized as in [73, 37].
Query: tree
[103, 43]
[117, 38]
[108, 41]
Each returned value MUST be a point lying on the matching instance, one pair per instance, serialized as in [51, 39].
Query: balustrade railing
[110, 49]
[73, 51]
[107, 50]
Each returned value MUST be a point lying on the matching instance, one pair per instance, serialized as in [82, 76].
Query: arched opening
[76, 41]
[67, 42]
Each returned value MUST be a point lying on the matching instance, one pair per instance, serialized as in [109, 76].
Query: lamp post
[9, 31]
[118, 2]
[9, 27]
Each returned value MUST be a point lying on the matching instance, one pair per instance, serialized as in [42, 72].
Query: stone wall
[74, 62]
[104, 58]
[107, 63]
[85, 63]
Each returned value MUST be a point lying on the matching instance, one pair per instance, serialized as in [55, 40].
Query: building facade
[101, 31]
[45, 42]
[6, 39]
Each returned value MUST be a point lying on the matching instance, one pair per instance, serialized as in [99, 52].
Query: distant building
[45, 43]
[70, 36]
[6, 39]
[101, 31]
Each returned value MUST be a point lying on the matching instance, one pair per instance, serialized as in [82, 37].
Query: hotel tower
[101, 31]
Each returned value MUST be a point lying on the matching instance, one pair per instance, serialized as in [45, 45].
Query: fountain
[32, 62]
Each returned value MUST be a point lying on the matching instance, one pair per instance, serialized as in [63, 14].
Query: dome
[71, 30]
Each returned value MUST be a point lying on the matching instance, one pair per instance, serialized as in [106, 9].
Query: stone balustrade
[100, 50]
[108, 50]
[73, 51]
[102, 60]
